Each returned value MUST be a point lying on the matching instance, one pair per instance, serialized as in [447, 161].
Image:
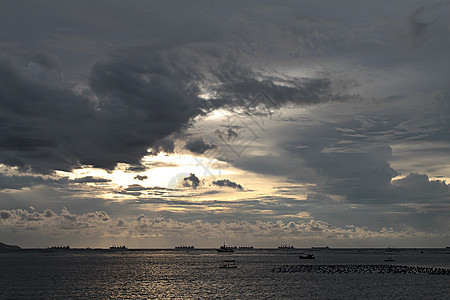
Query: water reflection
[175, 274]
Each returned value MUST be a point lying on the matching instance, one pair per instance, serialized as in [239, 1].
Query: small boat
[225, 248]
[228, 264]
[307, 256]
[389, 259]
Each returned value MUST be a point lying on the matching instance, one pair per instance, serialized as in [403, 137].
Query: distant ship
[185, 248]
[225, 248]
[307, 256]
[246, 248]
[117, 247]
[60, 248]
[391, 249]
[286, 247]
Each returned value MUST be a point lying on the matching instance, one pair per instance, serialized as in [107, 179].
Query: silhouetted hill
[8, 248]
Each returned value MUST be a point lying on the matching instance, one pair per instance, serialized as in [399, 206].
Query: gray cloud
[137, 168]
[198, 146]
[137, 97]
[46, 128]
[167, 145]
[418, 29]
[228, 183]
[191, 181]
[137, 105]
[90, 179]
[418, 187]
[135, 187]
[246, 88]
[5, 214]
[46, 60]
[18, 182]
[140, 177]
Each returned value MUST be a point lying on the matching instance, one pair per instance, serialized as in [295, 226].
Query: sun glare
[168, 170]
[164, 170]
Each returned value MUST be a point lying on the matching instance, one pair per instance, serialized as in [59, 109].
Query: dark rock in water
[8, 248]
[368, 269]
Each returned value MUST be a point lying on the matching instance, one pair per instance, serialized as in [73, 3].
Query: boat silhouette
[389, 259]
[225, 248]
[228, 264]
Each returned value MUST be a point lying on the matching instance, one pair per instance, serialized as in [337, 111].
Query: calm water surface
[196, 275]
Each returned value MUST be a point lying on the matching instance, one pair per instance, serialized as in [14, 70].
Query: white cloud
[98, 224]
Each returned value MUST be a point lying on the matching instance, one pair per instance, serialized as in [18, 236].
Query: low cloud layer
[198, 146]
[18, 182]
[101, 225]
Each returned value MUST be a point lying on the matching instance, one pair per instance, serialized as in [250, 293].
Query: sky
[161, 123]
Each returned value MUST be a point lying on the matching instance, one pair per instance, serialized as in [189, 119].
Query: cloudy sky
[161, 123]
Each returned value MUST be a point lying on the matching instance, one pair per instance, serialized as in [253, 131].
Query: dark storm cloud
[164, 145]
[417, 187]
[345, 157]
[45, 60]
[5, 214]
[245, 88]
[198, 146]
[138, 97]
[44, 128]
[228, 183]
[16, 182]
[418, 28]
[358, 176]
[136, 104]
[32, 118]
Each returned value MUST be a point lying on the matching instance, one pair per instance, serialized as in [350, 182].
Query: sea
[197, 274]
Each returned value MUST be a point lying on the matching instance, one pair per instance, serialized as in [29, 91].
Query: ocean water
[151, 274]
